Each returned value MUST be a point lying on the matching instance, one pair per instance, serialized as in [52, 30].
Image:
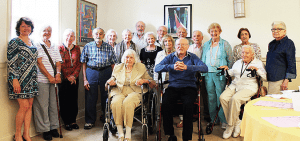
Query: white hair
[110, 32]
[142, 22]
[279, 23]
[130, 52]
[147, 34]
[198, 31]
[163, 26]
[125, 31]
[98, 28]
[67, 31]
[248, 46]
[180, 28]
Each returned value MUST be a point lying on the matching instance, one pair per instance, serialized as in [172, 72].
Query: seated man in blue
[182, 67]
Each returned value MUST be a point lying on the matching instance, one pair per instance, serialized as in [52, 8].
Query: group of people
[35, 69]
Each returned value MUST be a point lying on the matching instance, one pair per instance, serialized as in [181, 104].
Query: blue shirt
[181, 79]
[281, 60]
[98, 56]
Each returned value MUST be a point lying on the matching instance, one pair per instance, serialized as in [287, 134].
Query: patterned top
[54, 54]
[148, 58]
[70, 66]
[98, 57]
[22, 65]
[237, 51]
[121, 48]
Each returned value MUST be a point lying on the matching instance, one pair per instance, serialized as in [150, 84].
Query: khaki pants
[123, 106]
[274, 87]
[231, 102]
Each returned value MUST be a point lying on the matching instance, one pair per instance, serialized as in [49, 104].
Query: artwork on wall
[176, 16]
[86, 21]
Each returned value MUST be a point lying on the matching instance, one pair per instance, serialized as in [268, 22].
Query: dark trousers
[95, 78]
[68, 100]
[188, 96]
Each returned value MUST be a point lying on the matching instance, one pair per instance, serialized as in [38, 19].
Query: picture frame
[176, 16]
[86, 21]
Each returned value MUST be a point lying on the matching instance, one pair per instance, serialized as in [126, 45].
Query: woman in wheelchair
[127, 77]
[242, 88]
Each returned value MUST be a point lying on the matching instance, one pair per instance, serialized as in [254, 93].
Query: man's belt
[98, 69]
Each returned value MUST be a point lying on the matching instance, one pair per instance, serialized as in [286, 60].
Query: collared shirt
[194, 49]
[237, 51]
[158, 43]
[98, 57]
[244, 82]
[281, 60]
[139, 42]
[185, 78]
[54, 54]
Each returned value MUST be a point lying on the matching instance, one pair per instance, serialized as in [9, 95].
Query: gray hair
[163, 26]
[248, 46]
[98, 28]
[279, 22]
[180, 28]
[109, 32]
[142, 22]
[198, 31]
[146, 36]
[44, 27]
[67, 31]
[130, 52]
[125, 31]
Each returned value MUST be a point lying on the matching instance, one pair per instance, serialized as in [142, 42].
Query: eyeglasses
[277, 29]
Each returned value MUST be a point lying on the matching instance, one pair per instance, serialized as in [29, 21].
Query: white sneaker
[223, 125]
[228, 132]
[237, 129]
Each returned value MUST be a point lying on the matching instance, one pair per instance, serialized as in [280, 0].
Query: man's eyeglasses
[277, 29]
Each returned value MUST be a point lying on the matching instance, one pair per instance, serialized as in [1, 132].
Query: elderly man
[281, 61]
[161, 32]
[138, 36]
[182, 67]
[98, 59]
[242, 88]
[182, 33]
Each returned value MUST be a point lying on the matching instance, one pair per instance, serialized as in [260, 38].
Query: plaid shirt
[98, 56]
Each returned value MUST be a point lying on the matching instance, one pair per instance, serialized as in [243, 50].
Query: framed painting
[176, 16]
[86, 21]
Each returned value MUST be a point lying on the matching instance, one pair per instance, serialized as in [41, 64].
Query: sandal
[180, 124]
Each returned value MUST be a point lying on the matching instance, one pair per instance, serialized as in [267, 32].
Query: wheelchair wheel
[153, 117]
[105, 133]
[209, 128]
[144, 127]
[157, 136]
[112, 126]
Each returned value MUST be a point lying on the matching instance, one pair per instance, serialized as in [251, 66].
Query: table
[254, 128]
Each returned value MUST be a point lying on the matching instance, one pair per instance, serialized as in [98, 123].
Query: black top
[148, 58]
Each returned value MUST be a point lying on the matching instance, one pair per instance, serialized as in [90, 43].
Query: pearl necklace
[211, 56]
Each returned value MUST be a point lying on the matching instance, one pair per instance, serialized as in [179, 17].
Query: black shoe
[88, 126]
[47, 135]
[172, 138]
[54, 133]
[75, 126]
[69, 127]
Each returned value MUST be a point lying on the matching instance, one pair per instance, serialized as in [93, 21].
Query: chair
[146, 109]
[197, 103]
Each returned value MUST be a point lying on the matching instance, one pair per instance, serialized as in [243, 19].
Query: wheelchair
[145, 114]
[197, 103]
[210, 126]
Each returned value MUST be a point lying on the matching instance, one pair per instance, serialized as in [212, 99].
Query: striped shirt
[54, 54]
[98, 56]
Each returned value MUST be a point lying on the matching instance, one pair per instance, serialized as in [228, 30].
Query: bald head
[181, 32]
[197, 37]
[182, 45]
[140, 27]
[161, 32]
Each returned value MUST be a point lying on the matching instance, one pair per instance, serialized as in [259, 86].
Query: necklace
[242, 72]
[211, 56]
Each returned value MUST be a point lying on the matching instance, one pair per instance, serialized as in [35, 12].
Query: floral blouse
[237, 51]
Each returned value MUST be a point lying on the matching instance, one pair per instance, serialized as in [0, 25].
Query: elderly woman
[241, 89]
[125, 44]
[281, 61]
[22, 81]
[244, 35]
[111, 37]
[128, 77]
[45, 105]
[68, 90]
[148, 53]
[216, 52]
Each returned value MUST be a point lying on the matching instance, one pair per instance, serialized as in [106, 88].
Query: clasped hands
[180, 66]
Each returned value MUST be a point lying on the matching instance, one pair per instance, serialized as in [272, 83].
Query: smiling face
[247, 54]
[25, 29]
[181, 33]
[46, 33]
[140, 27]
[161, 32]
[129, 60]
[98, 35]
[197, 37]
[279, 32]
[168, 44]
[182, 46]
[69, 38]
[150, 39]
[127, 37]
[112, 37]
[244, 36]
[214, 33]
